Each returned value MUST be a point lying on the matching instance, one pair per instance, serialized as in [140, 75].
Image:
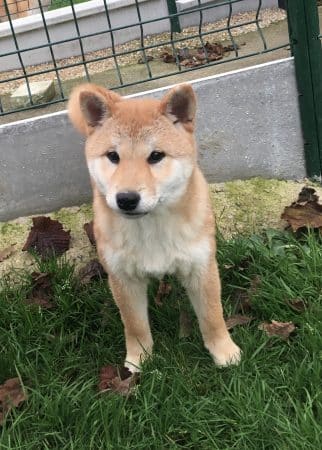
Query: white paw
[134, 368]
[225, 352]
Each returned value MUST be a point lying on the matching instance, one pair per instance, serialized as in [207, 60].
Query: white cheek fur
[96, 172]
[168, 190]
[175, 184]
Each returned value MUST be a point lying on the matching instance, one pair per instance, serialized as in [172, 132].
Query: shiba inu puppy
[152, 213]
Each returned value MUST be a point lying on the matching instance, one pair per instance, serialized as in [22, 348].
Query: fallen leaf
[194, 57]
[215, 57]
[185, 62]
[237, 319]
[281, 329]
[11, 395]
[184, 53]
[242, 297]
[185, 324]
[120, 380]
[168, 58]
[244, 263]
[307, 194]
[163, 290]
[41, 293]
[297, 304]
[89, 229]
[126, 386]
[92, 271]
[143, 60]
[307, 215]
[255, 282]
[107, 374]
[241, 301]
[305, 212]
[6, 252]
[47, 237]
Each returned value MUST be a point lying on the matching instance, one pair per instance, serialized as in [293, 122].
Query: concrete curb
[248, 125]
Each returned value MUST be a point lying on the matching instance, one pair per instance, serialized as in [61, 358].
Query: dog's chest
[155, 246]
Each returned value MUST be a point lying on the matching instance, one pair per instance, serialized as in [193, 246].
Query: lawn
[55, 4]
[272, 400]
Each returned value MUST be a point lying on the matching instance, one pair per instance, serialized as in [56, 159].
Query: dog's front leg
[204, 290]
[131, 297]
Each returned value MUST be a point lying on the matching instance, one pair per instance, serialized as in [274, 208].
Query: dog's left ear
[179, 105]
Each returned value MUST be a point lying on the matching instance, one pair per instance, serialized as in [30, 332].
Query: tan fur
[173, 231]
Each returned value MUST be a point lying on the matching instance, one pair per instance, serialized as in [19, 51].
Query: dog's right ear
[89, 105]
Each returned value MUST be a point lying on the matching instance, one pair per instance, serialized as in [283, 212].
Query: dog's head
[140, 153]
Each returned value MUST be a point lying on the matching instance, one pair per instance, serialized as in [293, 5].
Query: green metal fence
[305, 38]
[180, 49]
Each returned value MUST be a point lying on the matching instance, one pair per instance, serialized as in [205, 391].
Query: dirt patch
[241, 207]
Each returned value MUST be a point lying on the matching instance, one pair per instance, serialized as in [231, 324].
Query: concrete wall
[248, 125]
[91, 18]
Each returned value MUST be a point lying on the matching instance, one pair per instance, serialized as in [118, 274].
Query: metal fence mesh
[122, 62]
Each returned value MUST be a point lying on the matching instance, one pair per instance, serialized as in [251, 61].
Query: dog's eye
[155, 157]
[113, 157]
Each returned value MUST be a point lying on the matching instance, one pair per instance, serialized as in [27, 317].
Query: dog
[152, 212]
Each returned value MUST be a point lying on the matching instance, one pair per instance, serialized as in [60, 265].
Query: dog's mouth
[134, 215]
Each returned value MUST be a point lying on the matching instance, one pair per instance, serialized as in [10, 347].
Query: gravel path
[267, 17]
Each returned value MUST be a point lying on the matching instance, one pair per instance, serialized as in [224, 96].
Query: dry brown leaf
[168, 58]
[163, 290]
[147, 58]
[107, 374]
[185, 324]
[241, 301]
[6, 252]
[41, 293]
[281, 329]
[297, 304]
[92, 271]
[47, 237]
[11, 395]
[242, 297]
[120, 380]
[194, 57]
[255, 282]
[126, 386]
[237, 319]
[89, 229]
[40, 301]
[307, 195]
[305, 212]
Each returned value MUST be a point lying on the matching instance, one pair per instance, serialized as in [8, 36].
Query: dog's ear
[179, 105]
[89, 105]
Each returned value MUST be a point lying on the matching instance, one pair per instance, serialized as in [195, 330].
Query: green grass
[55, 4]
[272, 400]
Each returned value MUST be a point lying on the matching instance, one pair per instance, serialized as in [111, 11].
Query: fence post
[303, 21]
[172, 9]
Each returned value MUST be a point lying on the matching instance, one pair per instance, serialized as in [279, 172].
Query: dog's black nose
[127, 201]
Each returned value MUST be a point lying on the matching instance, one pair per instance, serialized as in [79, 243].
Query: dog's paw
[225, 352]
[134, 368]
